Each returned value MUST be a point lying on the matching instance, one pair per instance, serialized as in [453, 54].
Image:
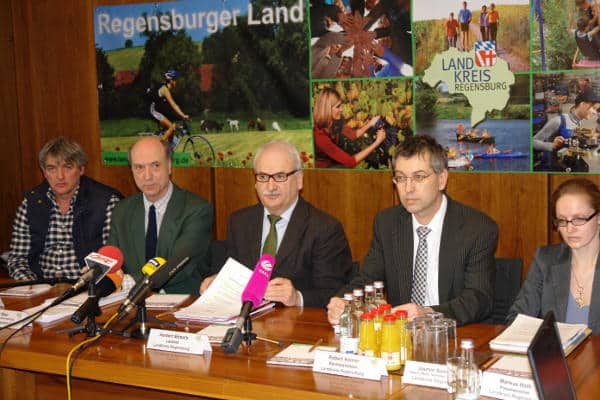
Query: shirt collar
[437, 221]
[287, 214]
[161, 203]
[52, 197]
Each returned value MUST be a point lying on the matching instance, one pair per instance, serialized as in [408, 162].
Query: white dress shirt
[432, 295]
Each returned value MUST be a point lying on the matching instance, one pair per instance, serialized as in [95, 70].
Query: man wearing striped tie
[432, 252]
[312, 255]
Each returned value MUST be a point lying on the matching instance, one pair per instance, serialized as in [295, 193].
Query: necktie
[151, 237]
[420, 270]
[270, 246]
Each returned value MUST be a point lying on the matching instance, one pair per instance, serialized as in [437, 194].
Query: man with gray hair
[312, 255]
[63, 219]
[433, 252]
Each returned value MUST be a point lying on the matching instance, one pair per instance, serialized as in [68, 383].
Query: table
[33, 365]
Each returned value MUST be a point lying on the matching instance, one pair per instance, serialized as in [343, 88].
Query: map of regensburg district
[480, 75]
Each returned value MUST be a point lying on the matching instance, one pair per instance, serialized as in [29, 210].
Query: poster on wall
[215, 78]
[502, 86]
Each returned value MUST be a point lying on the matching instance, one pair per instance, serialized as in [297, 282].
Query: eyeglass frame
[269, 176]
[417, 178]
[563, 223]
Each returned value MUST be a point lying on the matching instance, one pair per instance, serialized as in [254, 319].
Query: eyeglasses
[562, 223]
[278, 177]
[416, 178]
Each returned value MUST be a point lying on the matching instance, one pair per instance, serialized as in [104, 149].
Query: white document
[160, 300]
[298, 355]
[222, 300]
[69, 306]
[27, 290]
[517, 337]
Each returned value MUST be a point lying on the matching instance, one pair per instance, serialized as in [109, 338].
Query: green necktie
[270, 246]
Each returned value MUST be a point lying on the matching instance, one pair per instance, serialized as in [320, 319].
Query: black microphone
[155, 281]
[105, 287]
[106, 262]
[148, 269]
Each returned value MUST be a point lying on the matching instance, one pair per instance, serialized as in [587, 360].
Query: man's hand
[335, 309]
[412, 309]
[558, 142]
[206, 283]
[283, 291]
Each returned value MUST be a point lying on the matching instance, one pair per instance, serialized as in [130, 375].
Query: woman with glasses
[562, 276]
[329, 126]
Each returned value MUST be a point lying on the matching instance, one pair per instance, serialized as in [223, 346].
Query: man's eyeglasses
[562, 223]
[416, 178]
[278, 177]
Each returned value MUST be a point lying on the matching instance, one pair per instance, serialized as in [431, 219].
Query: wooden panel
[10, 162]
[518, 204]
[234, 189]
[354, 198]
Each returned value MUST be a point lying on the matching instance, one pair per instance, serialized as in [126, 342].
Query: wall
[48, 89]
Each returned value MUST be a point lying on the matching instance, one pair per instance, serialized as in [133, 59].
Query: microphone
[154, 281]
[148, 269]
[106, 286]
[109, 259]
[251, 298]
[108, 280]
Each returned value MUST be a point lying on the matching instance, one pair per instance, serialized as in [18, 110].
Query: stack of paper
[517, 337]
[69, 306]
[298, 354]
[221, 303]
[26, 290]
[160, 300]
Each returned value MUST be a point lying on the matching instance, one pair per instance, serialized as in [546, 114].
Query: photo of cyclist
[163, 107]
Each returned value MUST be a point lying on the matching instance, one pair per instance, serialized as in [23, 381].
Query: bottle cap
[357, 292]
[366, 316]
[467, 344]
[378, 284]
[386, 307]
[401, 314]
[369, 288]
[348, 296]
[389, 318]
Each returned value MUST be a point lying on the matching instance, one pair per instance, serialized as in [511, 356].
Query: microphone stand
[142, 331]
[248, 336]
[90, 327]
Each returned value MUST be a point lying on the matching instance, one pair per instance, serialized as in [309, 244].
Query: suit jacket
[466, 260]
[185, 229]
[547, 287]
[313, 254]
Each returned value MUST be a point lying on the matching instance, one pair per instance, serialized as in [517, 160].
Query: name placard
[178, 342]
[507, 387]
[9, 316]
[425, 374]
[350, 365]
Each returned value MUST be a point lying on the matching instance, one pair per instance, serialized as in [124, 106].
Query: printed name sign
[178, 342]
[425, 374]
[508, 387]
[350, 365]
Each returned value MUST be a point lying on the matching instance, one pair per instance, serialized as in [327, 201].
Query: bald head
[150, 161]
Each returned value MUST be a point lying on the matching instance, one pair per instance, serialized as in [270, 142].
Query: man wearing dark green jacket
[180, 220]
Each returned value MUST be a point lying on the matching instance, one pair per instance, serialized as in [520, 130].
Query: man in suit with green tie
[312, 255]
[163, 220]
